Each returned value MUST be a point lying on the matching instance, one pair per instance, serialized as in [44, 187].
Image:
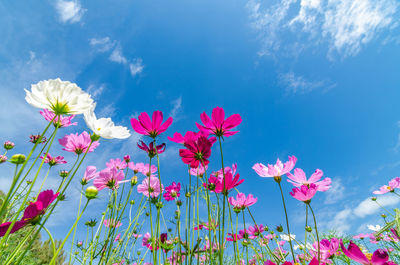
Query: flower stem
[316, 232]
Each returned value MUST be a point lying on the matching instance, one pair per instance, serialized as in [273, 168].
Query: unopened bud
[134, 180]
[127, 158]
[8, 145]
[373, 199]
[63, 173]
[79, 244]
[132, 202]
[3, 159]
[279, 228]
[159, 205]
[94, 137]
[91, 192]
[188, 194]
[18, 159]
[308, 228]
[61, 197]
[179, 203]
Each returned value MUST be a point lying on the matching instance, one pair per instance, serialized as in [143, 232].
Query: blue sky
[312, 78]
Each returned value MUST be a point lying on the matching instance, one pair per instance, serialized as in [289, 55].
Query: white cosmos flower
[104, 127]
[287, 237]
[62, 97]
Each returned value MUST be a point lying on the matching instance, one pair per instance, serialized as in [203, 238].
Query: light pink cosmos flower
[277, 170]
[60, 121]
[35, 209]
[78, 143]
[361, 236]
[108, 178]
[112, 223]
[304, 193]
[299, 178]
[379, 257]
[138, 167]
[199, 171]
[218, 125]
[90, 173]
[117, 238]
[153, 187]
[146, 170]
[144, 125]
[117, 163]
[136, 235]
[52, 161]
[241, 202]
[172, 191]
[393, 184]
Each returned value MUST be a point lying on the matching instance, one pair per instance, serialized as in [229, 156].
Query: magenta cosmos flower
[218, 125]
[151, 186]
[150, 149]
[172, 191]
[328, 249]
[78, 143]
[299, 178]
[52, 161]
[379, 257]
[277, 170]
[60, 121]
[144, 125]
[216, 182]
[393, 184]
[32, 213]
[197, 152]
[241, 202]
[304, 193]
[108, 178]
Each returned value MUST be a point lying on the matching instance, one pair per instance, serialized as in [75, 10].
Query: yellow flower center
[368, 255]
[388, 187]
[99, 129]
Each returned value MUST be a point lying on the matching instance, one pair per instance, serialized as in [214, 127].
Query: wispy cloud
[346, 26]
[297, 84]
[136, 67]
[102, 44]
[69, 11]
[336, 192]
[117, 56]
[368, 207]
[176, 108]
[95, 91]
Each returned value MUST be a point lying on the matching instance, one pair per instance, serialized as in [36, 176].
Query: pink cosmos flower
[233, 237]
[277, 170]
[153, 188]
[379, 257]
[304, 193]
[90, 173]
[32, 213]
[78, 143]
[197, 152]
[218, 125]
[146, 170]
[144, 125]
[60, 121]
[52, 161]
[136, 235]
[241, 202]
[146, 241]
[138, 167]
[108, 178]
[112, 223]
[393, 184]
[150, 149]
[255, 231]
[117, 238]
[172, 191]
[117, 163]
[199, 171]
[328, 249]
[299, 178]
[231, 182]
[361, 236]
[207, 226]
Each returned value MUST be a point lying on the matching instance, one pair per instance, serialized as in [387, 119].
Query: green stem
[316, 232]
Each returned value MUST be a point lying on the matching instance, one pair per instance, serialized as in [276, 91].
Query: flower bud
[83, 181]
[373, 199]
[179, 203]
[91, 192]
[61, 197]
[18, 159]
[308, 228]
[279, 228]
[147, 214]
[159, 205]
[79, 244]
[28, 182]
[127, 158]
[8, 145]
[383, 215]
[132, 202]
[34, 138]
[91, 223]
[94, 137]
[76, 253]
[3, 159]
[134, 180]
[188, 194]
[266, 228]
[63, 173]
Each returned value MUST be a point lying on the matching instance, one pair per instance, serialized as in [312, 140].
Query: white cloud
[117, 56]
[69, 11]
[336, 192]
[340, 222]
[95, 91]
[136, 67]
[102, 44]
[297, 84]
[368, 207]
[176, 109]
[346, 25]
